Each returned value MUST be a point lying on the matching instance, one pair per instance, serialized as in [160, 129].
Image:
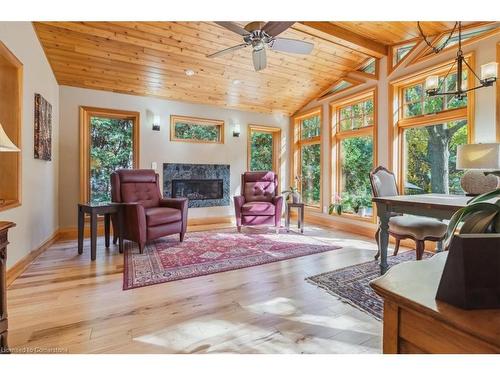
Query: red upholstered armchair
[259, 202]
[146, 214]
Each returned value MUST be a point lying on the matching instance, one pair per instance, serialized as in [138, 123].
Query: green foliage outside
[311, 171]
[261, 149]
[356, 164]
[184, 130]
[310, 127]
[111, 149]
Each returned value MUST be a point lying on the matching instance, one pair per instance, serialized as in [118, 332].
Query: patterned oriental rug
[204, 253]
[351, 284]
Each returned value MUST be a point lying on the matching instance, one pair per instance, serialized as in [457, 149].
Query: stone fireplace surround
[179, 171]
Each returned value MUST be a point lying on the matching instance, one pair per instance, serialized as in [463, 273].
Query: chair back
[383, 182]
[136, 186]
[259, 186]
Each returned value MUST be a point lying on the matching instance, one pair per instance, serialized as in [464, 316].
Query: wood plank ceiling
[151, 58]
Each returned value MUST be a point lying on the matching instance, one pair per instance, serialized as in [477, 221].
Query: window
[354, 124]
[264, 148]
[429, 130]
[191, 129]
[308, 156]
[341, 85]
[108, 141]
[398, 53]
[369, 68]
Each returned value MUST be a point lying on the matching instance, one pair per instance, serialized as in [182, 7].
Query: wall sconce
[236, 130]
[156, 123]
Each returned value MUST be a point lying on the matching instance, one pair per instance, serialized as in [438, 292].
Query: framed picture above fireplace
[197, 130]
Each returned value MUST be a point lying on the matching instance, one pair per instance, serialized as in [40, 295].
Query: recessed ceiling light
[236, 82]
[189, 72]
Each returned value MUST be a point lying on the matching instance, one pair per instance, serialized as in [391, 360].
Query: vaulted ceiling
[151, 58]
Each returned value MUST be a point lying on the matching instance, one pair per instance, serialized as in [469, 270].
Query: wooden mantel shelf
[415, 322]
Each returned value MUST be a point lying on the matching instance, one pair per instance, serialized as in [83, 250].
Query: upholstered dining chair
[147, 215]
[259, 202]
[417, 228]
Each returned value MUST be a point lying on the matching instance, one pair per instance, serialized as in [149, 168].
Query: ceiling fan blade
[227, 50]
[274, 28]
[233, 27]
[291, 46]
[259, 59]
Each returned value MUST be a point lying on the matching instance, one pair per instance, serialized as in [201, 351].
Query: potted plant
[470, 275]
[336, 206]
[293, 192]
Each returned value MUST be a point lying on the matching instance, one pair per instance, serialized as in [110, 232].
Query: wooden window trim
[85, 114]
[364, 64]
[354, 83]
[11, 163]
[276, 133]
[198, 121]
[338, 136]
[392, 49]
[424, 54]
[397, 124]
[296, 149]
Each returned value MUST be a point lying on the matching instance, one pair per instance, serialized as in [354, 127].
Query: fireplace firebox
[197, 189]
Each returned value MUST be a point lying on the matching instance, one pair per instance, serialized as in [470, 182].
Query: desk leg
[287, 218]
[383, 241]
[301, 219]
[81, 224]
[107, 223]
[120, 230]
[93, 236]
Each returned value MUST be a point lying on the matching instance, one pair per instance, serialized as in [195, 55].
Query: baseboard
[210, 220]
[19, 267]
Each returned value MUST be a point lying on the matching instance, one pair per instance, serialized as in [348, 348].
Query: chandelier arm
[446, 75]
[473, 72]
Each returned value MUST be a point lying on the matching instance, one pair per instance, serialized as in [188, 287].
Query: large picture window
[192, 129]
[354, 122]
[308, 156]
[263, 148]
[429, 130]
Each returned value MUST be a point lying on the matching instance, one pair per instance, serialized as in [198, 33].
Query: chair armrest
[179, 204]
[278, 204]
[239, 200]
[134, 219]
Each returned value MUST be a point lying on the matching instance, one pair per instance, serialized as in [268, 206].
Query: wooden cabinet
[4, 228]
[415, 322]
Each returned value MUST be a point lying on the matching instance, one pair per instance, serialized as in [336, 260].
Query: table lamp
[6, 145]
[482, 162]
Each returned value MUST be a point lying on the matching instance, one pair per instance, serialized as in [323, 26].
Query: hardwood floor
[65, 303]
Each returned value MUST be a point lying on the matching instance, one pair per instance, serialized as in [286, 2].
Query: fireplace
[205, 185]
[198, 189]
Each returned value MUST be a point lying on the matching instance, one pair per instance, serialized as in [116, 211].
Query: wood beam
[343, 37]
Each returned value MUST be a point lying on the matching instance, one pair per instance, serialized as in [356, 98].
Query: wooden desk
[415, 322]
[439, 206]
[4, 228]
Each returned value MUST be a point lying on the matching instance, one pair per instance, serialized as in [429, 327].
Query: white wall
[37, 217]
[485, 102]
[156, 146]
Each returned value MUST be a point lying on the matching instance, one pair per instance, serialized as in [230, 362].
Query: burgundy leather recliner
[146, 214]
[259, 202]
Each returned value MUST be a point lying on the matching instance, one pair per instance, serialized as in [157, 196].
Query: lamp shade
[6, 144]
[481, 156]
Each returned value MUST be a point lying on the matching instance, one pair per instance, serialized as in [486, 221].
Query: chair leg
[396, 248]
[239, 228]
[141, 248]
[420, 249]
[115, 239]
[376, 240]
[181, 236]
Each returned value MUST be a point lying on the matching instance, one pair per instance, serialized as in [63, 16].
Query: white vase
[295, 198]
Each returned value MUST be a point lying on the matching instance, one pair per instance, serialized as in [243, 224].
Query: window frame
[86, 113]
[339, 135]
[276, 133]
[393, 50]
[398, 124]
[364, 64]
[198, 121]
[297, 145]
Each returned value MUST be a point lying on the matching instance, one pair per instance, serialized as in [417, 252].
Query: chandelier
[433, 83]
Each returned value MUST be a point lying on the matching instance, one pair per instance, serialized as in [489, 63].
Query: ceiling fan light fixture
[189, 72]
[236, 81]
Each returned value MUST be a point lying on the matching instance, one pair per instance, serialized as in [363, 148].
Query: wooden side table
[95, 209]
[300, 218]
[4, 228]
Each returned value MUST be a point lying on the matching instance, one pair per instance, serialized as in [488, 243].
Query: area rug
[351, 284]
[204, 253]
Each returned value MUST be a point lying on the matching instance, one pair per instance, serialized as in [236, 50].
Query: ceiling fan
[260, 35]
